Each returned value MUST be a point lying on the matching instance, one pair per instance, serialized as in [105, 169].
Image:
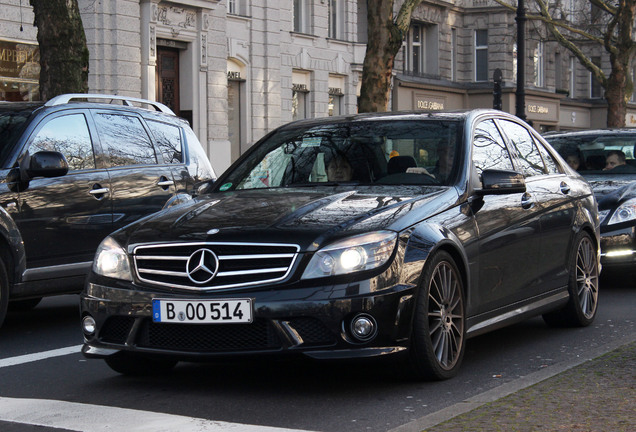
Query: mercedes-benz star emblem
[202, 266]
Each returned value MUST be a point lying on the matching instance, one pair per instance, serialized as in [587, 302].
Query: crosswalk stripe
[81, 417]
[27, 358]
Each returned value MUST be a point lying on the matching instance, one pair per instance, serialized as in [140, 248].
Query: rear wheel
[438, 341]
[4, 292]
[137, 364]
[580, 310]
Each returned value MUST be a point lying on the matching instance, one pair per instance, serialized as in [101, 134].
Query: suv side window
[168, 139]
[68, 135]
[526, 152]
[489, 148]
[124, 140]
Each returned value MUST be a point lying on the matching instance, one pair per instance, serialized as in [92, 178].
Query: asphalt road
[44, 380]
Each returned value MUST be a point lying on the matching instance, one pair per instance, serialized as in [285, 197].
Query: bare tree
[63, 50]
[385, 37]
[605, 24]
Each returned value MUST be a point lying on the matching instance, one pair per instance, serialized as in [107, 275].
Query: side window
[526, 152]
[550, 163]
[68, 135]
[489, 149]
[124, 140]
[168, 138]
[198, 163]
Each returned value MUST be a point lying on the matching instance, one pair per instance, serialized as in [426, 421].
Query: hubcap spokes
[445, 315]
[587, 278]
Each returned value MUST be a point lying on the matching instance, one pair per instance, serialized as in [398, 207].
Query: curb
[509, 388]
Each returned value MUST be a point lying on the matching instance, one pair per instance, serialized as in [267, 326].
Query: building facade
[236, 69]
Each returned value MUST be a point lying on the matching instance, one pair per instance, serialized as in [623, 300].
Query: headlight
[625, 212]
[354, 254]
[111, 260]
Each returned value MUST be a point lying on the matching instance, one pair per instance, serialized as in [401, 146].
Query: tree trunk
[615, 96]
[384, 41]
[63, 50]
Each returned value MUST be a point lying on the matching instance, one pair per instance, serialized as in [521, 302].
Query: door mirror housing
[501, 182]
[46, 164]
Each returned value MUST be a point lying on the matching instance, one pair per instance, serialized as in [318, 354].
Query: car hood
[603, 185]
[609, 194]
[307, 217]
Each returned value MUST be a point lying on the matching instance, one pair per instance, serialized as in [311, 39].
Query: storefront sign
[429, 104]
[538, 109]
[233, 75]
[19, 60]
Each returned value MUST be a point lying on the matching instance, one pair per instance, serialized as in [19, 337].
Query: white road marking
[81, 417]
[27, 358]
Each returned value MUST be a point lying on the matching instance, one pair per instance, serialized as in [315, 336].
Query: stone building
[236, 69]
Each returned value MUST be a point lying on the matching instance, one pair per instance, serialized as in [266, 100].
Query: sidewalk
[596, 396]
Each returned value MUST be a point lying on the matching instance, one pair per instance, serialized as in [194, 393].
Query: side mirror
[46, 164]
[501, 182]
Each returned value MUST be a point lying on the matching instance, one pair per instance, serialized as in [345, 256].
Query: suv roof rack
[125, 100]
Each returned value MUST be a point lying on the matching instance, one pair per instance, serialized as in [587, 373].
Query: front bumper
[618, 248]
[314, 321]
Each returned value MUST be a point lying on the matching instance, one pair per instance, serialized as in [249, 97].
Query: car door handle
[565, 188]
[164, 183]
[527, 201]
[98, 191]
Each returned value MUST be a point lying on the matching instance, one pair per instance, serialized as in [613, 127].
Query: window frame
[478, 50]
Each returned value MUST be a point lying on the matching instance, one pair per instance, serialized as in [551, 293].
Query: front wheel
[438, 341]
[580, 310]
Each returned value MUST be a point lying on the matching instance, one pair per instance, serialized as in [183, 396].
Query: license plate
[202, 311]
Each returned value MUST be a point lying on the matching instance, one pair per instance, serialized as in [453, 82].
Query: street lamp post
[521, 60]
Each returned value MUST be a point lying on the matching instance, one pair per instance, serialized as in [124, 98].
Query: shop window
[481, 55]
[299, 101]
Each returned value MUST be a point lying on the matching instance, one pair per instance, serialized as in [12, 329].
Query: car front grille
[259, 335]
[210, 266]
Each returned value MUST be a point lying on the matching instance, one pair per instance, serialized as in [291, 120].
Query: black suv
[75, 169]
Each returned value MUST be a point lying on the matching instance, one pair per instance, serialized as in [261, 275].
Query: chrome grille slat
[239, 264]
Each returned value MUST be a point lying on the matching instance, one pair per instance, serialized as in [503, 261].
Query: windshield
[405, 152]
[606, 154]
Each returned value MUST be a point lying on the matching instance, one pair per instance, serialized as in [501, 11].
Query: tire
[4, 292]
[583, 284]
[24, 305]
[439, 334]
[139, 365]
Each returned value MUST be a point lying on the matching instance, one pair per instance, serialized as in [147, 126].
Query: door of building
[168, 78]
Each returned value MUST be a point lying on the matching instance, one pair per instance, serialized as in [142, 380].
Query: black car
[74, 169]
[606, 158]
[350, 237]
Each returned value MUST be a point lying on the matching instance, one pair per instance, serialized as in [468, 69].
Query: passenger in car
[574, 161]
[339, 169]
[614, 159]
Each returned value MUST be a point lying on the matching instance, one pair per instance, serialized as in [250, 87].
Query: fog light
[88, 324]
[363, 327]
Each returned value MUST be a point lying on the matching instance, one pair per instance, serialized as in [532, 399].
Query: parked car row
[75, 169]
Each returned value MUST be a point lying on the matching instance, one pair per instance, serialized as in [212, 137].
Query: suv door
[139, 185]
[62, 220]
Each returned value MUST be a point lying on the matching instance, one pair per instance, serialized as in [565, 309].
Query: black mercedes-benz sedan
[606, 158]
[352, 237]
